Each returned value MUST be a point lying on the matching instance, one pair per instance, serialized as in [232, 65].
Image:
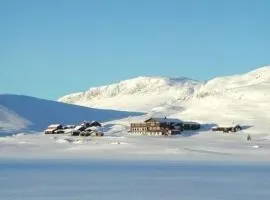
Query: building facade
[162, 126]
[157, 126]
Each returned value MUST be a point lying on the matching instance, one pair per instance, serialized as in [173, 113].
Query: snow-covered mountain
[24, 113]
[234, 84]
[146, 93]
[138, 94]
[241, 98]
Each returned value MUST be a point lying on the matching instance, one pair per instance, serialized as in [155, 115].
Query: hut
[91, 133]
[227, 128]
[54, 129]
[87, 129]
[95, 123]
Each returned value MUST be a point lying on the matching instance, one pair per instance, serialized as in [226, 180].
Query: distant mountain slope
[138, 94]
[158, 93]
[10, 120]
[239, 98]
[28, 113]
[229, 84]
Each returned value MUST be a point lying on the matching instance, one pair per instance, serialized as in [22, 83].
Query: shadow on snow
[42, 112]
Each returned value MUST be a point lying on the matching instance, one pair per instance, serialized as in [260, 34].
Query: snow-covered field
[195, 165]
[242, 99]
[117, 144]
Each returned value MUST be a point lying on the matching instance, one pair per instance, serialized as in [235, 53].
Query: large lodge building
[162, 126]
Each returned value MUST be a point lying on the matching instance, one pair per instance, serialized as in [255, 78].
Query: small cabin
[95, 123]
[92, 133]
[54, 129]
[90, 124]
[227, 128]
[68, 126]
[87, 129]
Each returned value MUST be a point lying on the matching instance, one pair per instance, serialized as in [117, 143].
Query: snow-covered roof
[54, 126]
[78, 127]
[226, 125]
[89, 122]
[165, 120]
[92, 128]
[69, 126]
[94, 122]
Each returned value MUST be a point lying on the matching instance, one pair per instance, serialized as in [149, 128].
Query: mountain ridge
[236, 97]
[133, 86]
[170, 89]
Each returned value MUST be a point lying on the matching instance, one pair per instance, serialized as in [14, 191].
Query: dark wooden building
[162, 126]
[227, 128]
[95, 123]
[157, 126]
[54, 129]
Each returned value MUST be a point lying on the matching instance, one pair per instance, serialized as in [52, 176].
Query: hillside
[239, 98]
[138, 94]
[242, 99]
[24, 113]
[238, 85]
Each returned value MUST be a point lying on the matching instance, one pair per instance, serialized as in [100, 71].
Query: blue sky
[49, 48]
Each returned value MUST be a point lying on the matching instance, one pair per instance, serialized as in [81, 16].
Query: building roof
[192, 123]
[78, 127]
[165, 120]
[95, 123]
[54, 126]
[226, 125]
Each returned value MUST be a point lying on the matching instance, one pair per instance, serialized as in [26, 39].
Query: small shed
[227, 128]
[54, 128]
[95, 123]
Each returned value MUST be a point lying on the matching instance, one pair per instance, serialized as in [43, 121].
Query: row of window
[138, 124]
[145, 129]
[139, 129]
